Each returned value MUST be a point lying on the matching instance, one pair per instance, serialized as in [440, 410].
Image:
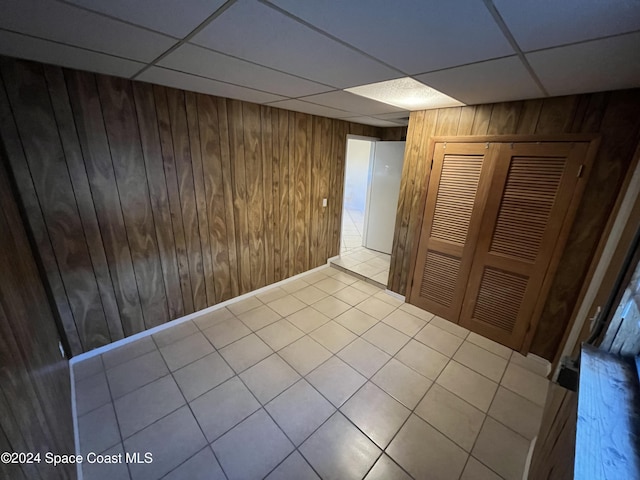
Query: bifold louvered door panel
[455, 200]
[532, 187]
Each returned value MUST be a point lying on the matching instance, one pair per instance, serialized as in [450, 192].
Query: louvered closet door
[455, 200]
[531, 190]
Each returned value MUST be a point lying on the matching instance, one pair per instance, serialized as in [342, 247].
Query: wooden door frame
[594, 143]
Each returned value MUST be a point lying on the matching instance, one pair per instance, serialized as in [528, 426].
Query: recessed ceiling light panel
[405, 93]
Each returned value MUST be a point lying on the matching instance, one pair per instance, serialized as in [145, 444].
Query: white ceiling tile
[311, 108]
[184, 81]
[255, 32]
[607, 64]
[168, 16]
[414, 36]
[537, 24]
[376, 122]
[353, 103]
[73, 26]
[16, 45]
[203, 62]
[499, 80]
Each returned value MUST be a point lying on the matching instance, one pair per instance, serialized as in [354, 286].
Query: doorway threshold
[365, 264]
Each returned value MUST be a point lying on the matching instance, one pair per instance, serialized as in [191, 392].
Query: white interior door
[382, 199]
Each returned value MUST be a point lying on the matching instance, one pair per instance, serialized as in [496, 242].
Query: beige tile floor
[323, 377]
[352, 228]
[367, 264]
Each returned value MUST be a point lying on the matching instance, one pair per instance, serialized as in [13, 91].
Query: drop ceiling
[301, 55]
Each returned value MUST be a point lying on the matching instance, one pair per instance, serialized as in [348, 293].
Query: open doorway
[372, 183]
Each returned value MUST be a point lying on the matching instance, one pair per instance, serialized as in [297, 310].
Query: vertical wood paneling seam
[126, 232]
[46, 229]
[75, 199]
[153, 218]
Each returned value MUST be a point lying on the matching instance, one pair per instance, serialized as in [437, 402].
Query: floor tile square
[208, 320]
[330, 285]
[106, 471]
[202, 375]
[376, 308]
[386, 469]
[246, 352]
[451, 415]
[98, 430]
[331, 306]
[244, 305]
[185, 351]
[438, 339]
[305, 354]
[468, 385]
[91, 393]
[424, 360]
[172, 334]
[493, 347]
[501, 449]
[280, 334]
[285, 306]
[220, 409]
[382, 277]
[364, 357]
[186, 440]
[294, 467]
[366, 270]
[226, 332]
[404, 322]
[272, 294]
[308, 319]
[345, 278]
[442, 460]
[310, 294]
[126, 377]
[259, 317]
[449, 327]
[338, 450]
[336, 380]
[356, 320]
[202, 466]
[333, 336]
[299, 411]
[269, 378]
[351, 295]
[386, 338]
[481, 360]
[366, 287]
[516, 412]
[377, 414]
[477, 471]
[533, 363]
[388, 298]
[417, 312]
[526, 383]
[294, 285]
[253, 448]
[315, 277]
[87, 368]
[128, 352]
[147, 404]
[402, 383]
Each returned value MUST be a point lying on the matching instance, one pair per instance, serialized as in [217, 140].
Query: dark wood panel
[150, 140]
[614, 115]
[166, 201]
[38, 130]
[35, 397]
[87, 111]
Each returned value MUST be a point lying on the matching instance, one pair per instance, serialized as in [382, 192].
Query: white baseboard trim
[395, 295]
[186, 318]
[527, 463]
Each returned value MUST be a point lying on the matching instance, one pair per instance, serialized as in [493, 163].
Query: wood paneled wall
[35, 394]
[614, 115]
[148, 203]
